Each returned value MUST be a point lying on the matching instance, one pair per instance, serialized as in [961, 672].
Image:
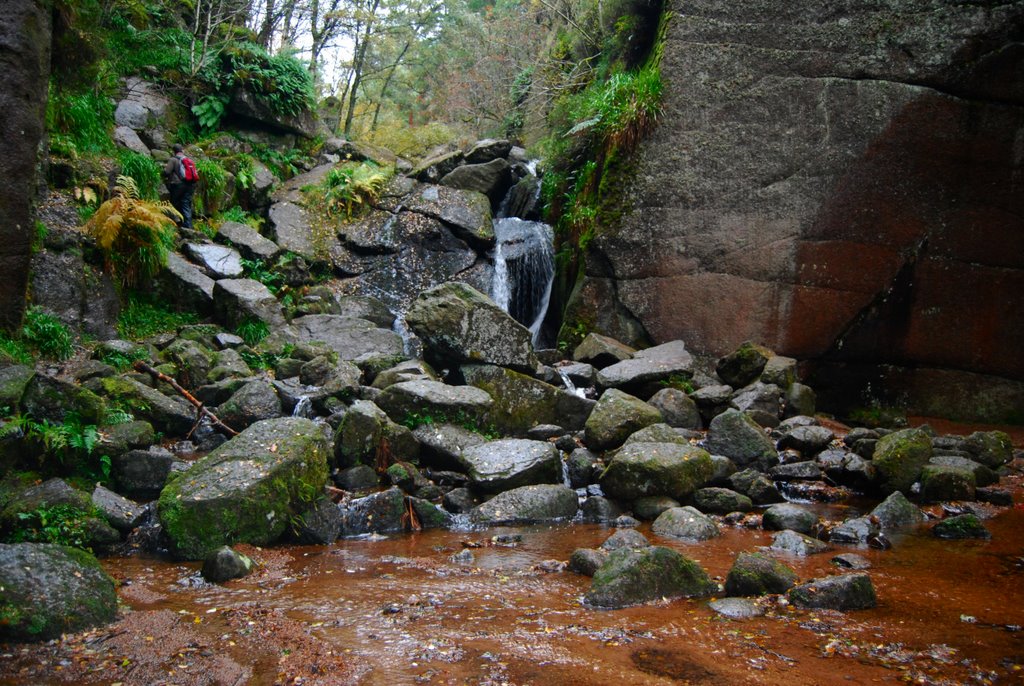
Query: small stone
[961, 527]
[736, 608]
[851, 561]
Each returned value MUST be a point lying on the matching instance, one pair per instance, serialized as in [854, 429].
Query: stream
[400, 609]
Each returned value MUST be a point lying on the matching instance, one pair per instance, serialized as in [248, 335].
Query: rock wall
[843, 182]
[25, 65]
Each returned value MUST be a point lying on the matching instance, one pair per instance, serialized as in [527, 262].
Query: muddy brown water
[398, 610]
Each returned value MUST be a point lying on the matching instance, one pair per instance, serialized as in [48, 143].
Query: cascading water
[524, 268]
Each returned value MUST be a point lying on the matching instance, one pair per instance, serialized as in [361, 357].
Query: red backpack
[188, 170]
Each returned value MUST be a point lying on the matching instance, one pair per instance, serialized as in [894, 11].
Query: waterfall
[569, 385]
[524, 259]
[304, 408]
[524, 270]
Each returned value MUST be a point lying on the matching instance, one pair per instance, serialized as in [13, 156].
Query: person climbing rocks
[181, 176]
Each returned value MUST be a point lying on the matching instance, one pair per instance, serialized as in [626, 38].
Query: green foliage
[620, 110]
[245, 171]
[266, 359]
[412, 141]
[258, 271]
[46, 334]
[213, 179]
[122, 360]
[210, 110]
[284, 163]
[238, 215]
[143, 169]
[281, 81]
[143, 315]
[134, 235]
[678, 382]
[15, 351]
[460, 418]
[252, 331]
[66, 445]
[348, 190]
[60, 524]
[79, 123]
[39, 236]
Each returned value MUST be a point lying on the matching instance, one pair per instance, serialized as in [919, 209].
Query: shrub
[46, 333]
[134, 235]
[79, 122]
[60, 524]
[15, 351]
[144, 315]
[143, 169]
[252, 331]
[412, 141]
[349, 189]
[213, 179]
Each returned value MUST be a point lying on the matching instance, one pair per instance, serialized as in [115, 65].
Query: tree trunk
[25, 30]
[387, 83]
[357, 67]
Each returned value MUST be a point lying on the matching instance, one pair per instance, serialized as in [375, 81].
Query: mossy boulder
[544, 502]
[53, 399]
[961, 527]
[632, 576]
[743, 365]
[721, 501]
[845, 592]
[460, 325]
[990, 448]
[47, 590]
[434, 401]
[940, 483]
[755, 574]
[616, 416]
[166, 414]
[511, 462]
[899, 458]
[522, 402]
[736, 436]
[896, 511]
[685, 523]
[650, 469]
[13, 380]
[247, 490]
[192, 359]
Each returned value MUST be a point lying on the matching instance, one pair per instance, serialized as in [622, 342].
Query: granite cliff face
[842, 182]
[25, 64]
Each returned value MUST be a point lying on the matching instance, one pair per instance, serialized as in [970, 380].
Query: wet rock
[851, 561]
[754, 574]
[358, 436]
[142, 474]
[712, 400]
[641, 375]
[796, 471]
[255, 401]
[599, 509]
[939, 483]
[845, 592]
[488, 149]
[990, 448]
[685, 523]
[658, 433]
[117, 439]
[13, 381]
[409, 370]
[601, 351]
[434, 399]
[493, 178]
[521, 402]
[736, 436]
[779, 370]
[121, 513]
[48, 590]
[466, 212]
[381, 513]
[995, 496]
[580, 467]
[856, 530]
[246, 490]
[809, 440]
[736, 608]
[615, 417]
[983, 476]
[896, 511]
[349, 337]
[632, 576]
[460, 325]
[528, 504]
[48, 398]
[800, 400]
[625, 538]
[743, 365]
[899, 458]
[429, 515]
[319, 523]
[756, 486]
[192, 360]
[509, 463]
[238, 300]
[442, 444]
[964, 526]
[677, 409]
[721, 501]
[761, 402]
[248, 241]
[224, 564]
[625, 522]
[358, 478]
[587, 561]
[797, 544]
[463, 557]
[648, 469]
[722, 468]
[433, 168]
[788, 516]
[460, 500]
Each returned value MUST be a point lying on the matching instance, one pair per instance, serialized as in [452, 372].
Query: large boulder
[49, 398]
[166, 414]
[238, 300]
[632, 576]
[643, 373]
[458, 324]
[539, 503]
[850, 232]
[184, 284]
[434, 400]
[48, 590]
[292, 229]
[522, 402]
[651, 469]
[249, 105]
[493, 178]
[466, 212]
[220, 261]
[845, 592]
[743, 365]
[736, 436]
[246, 490]
[79, 294]
[248, 241]
[616, 416]
[350, 337]
[757, 574]
[685, 523]
[511, 462]
[899, 458]
[896, 511]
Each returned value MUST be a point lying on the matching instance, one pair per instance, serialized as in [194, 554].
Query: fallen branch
[141, 366]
